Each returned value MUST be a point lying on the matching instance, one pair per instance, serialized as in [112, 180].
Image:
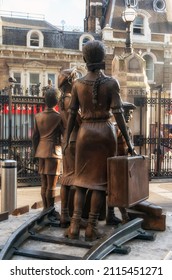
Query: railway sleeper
[110, 243]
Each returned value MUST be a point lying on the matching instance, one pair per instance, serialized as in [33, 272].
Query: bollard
[8, 185]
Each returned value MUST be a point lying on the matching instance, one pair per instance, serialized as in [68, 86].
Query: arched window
[159, 5]
[149, 67]
[84, 39]
[35, 39]
[138, 26]
[132, 3]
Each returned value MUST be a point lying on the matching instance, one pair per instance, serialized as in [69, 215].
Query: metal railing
[17, 123]
[16, 128]
[33, 16]
[15, 14]
[156, 140]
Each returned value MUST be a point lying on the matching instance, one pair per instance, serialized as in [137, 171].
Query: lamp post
[12, 82]
[128, 16]
[159, 146]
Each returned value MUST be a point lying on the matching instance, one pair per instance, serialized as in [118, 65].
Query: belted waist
[94, 120]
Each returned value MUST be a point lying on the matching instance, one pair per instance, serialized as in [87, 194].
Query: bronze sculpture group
[89, 138]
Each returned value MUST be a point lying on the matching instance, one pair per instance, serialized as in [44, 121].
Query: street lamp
[129, 16]
[12, 82]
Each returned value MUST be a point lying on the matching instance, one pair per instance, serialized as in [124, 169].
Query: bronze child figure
[122, 150]
[47, 135]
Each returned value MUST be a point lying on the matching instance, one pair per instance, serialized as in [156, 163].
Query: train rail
[43, 232]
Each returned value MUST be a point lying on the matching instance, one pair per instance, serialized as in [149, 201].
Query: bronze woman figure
[96, 95]
[65, 82]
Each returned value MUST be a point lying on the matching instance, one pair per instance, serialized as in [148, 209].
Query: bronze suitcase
[128, 180]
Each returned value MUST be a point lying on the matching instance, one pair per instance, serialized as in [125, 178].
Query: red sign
[22, 109]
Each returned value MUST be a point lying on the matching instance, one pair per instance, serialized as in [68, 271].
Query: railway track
[42, 238]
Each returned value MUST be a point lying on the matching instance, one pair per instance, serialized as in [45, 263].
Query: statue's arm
[73, 112]
[35, 138]
[70, 126]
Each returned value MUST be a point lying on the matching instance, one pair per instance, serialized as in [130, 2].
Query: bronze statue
[122, 149]
[47, 134]
[49, 86]
[65, 81]
[95, 95]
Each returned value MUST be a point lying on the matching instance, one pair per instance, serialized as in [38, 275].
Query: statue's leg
[124, 214]
[79, 198]
[51, 192]
[91, 232]
[64, 193]
[51, 189]
[43, 190]
[111, 219]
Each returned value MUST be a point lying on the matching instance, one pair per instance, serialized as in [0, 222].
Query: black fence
[17, 122]
[155, 135]
[16, 128]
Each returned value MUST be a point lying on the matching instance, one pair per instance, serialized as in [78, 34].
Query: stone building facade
[146, 73]
[32, 51]
[151, 33]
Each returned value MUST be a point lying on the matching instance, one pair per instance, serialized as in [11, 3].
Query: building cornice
[41, 54]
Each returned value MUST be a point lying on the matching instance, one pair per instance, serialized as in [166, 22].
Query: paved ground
[159, 249]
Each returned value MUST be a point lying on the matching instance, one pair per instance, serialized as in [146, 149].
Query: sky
[72, 12]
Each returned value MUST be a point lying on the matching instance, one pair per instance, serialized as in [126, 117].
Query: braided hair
[95, 88]
[94, 54]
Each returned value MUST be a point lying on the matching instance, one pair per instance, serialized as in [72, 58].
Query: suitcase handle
[144, 157]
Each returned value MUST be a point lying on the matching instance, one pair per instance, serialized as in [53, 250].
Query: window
[17, 89]
[34, 84]
[149, 67]
[138, 26]
[35, 39]
[159, 5]
[52, 78]
[84, 39]
[132, 3]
